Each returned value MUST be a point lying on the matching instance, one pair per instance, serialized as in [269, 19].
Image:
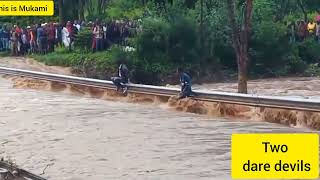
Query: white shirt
[24, 39]
[78, 27]
[65, 33]
[120, 68]
[97, 32]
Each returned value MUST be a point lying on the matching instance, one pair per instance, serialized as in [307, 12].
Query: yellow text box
[275, 156]
[26, 8]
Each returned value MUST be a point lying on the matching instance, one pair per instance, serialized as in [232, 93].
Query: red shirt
[18, 30]
[51, 33]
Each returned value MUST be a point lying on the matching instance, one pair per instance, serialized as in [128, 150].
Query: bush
[309, 50]
[58, 58]
[152, 43]
[296, 65]
[83, 39]
[162, 41]
[270, 48]
[313, 70]
[4, 53]
[124, 9]
[101, 62]
[183, 41]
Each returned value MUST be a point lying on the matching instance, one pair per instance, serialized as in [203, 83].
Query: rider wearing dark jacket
[123, 73]
[186, 84]
[123, 77]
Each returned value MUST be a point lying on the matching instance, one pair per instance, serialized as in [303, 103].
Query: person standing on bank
[122, 79]
[51, 31]
[186, 84]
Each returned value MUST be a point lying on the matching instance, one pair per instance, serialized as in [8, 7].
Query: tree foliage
[172, 31]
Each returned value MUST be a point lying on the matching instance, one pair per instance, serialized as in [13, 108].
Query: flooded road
[297, 87]
[91, 139]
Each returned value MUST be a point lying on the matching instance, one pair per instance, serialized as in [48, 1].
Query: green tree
[241, 35]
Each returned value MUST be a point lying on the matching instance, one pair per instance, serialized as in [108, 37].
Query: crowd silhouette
[43, 38]
[299, 31]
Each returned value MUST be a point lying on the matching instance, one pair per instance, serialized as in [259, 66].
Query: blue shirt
[123, 72]
[6, 34]
[185, 79]
[39, 32]
[1, 33]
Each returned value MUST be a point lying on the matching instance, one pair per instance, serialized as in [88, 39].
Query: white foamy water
[293, 87]
[92, 139]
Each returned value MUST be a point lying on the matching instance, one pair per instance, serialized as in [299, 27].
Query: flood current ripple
[91, 139]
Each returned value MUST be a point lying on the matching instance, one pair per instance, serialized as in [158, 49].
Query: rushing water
[91, 139]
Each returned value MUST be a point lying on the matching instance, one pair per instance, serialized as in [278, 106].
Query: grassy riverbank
[103, 65]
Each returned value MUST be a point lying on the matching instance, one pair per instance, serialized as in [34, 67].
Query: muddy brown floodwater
[30, 64]
[91, 139]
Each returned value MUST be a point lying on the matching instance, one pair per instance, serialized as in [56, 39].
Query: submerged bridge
[209, 96]
[305, 110]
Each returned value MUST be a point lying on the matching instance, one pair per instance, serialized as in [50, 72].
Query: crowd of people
[114, 32]
[301, 30]
[43, 38]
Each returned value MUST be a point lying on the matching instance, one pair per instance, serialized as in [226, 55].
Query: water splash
[291, 118]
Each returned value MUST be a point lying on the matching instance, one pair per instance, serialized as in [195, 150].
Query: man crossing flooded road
[122, 79]
[186, 84]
